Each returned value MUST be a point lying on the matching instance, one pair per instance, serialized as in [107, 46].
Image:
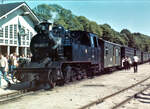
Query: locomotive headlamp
[67, 31]
[59, 27]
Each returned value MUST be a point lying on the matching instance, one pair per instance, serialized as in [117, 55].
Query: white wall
[15, 18]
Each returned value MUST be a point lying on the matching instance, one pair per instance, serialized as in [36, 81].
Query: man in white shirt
[4, 69]
[135, 63]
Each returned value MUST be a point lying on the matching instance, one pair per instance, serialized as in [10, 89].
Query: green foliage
[64, 17]
[129, 36]
[42, 11]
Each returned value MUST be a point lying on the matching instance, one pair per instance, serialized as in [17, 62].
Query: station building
[17, 23]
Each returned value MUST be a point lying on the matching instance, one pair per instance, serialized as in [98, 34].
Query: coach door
[94, 51]
[114, 55]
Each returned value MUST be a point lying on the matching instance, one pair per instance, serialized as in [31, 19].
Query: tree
[43, 12]
[131, 41]
[64, 17]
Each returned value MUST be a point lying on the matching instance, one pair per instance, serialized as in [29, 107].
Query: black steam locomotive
[62, 55]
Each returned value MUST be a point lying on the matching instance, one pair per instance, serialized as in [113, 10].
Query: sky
[133, 15]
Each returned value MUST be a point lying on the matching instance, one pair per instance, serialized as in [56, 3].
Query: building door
[21, 51]
[12, 49]
[3, 50]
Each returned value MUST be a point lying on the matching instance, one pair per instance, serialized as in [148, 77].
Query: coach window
[99, 42]
[106, 49]
[114, 51]
[117, 52]
[95, 42]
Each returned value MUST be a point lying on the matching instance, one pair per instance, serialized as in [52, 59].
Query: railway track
[6, 98]
[9, 97]
[130, 98]
[101, 100]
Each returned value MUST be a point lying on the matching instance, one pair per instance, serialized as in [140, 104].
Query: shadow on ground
[18, 86]
[143, 98]
[93, 85]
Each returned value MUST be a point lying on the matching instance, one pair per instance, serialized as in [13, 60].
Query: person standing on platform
[14, 63]
[123, 63]
[126, 63]
[135, 63]
[4, 69]
[130, 63]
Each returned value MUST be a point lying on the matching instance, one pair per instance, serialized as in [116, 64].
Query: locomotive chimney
[43, 27]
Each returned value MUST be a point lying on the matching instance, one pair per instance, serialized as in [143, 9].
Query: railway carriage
[149, 56]
[139, 54]
[111, 55]
[127, 52]
[145, 57]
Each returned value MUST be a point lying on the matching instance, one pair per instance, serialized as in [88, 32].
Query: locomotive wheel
[83, 74]
[68, 74]
[73, 77]
[67, 77]
[78, 76]
[51, 81]
[90, 74]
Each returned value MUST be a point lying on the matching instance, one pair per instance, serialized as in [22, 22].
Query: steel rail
[5, 98]
[129, 98]
[111, 95]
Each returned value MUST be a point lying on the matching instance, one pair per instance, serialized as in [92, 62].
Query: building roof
[5, 8]
[8, 8]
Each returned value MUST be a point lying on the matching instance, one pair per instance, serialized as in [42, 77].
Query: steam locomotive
[63, 55]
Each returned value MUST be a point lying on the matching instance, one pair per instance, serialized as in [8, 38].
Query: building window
[15, 31]
[15, 42]
[27, 43]
[23, 33]
[31, 35]
[23, 42]
[27, 34]
[11, 41]
[11, 31]
[21, 30]
[6, 31]
[1, 40]
[23, 37]
[6, 41]
[1, 32]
